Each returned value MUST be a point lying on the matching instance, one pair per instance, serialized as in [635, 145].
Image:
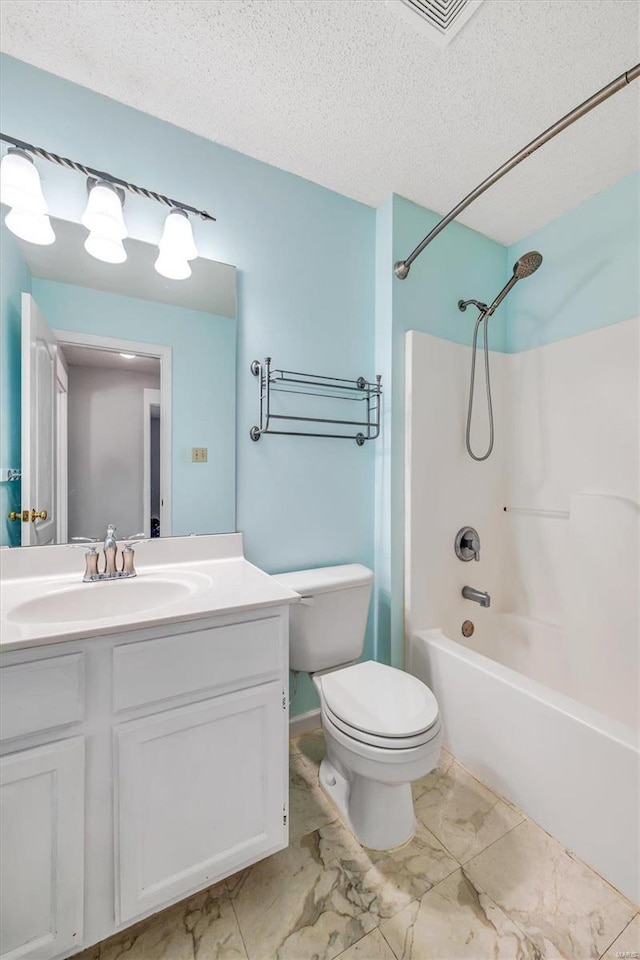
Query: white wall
[106, 449]
[567, 440]
[446, 490]
[573, 429]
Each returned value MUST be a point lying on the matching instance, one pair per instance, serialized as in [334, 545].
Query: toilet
[381, 725]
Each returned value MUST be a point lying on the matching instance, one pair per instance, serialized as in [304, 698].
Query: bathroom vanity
[144, 753]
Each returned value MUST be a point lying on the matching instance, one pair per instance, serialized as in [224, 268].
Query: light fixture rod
[401, 268]
[101, 175]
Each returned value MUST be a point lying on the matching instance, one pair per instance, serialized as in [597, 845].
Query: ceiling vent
[441, 20]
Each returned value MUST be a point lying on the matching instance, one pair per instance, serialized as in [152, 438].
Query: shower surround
[542, 700]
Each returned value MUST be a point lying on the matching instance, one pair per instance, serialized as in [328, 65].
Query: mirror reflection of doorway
[152, 500]
[96, 434]
[106, 440]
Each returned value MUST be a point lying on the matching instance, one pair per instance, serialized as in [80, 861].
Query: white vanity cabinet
[138, 768]
[42, 868]
[198, 794]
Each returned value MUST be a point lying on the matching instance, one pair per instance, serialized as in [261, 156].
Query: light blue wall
[590, 276]
[308, 260]
[305, 259]
[203, 388]
[14, 279]
[460, 263]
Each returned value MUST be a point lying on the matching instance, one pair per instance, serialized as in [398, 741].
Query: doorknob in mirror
[25, 516]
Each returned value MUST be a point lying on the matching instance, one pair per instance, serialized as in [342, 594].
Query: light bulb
[176, 247]
[105, 249]
[103, 214]
[103, 218]
[20, 189]
[34, 228]
[173, 268]
[177, 236]
[20, 183]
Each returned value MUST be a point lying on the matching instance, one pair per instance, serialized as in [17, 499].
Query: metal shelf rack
[365, 426]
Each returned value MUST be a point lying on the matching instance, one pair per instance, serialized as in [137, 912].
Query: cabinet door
[42, 839]
[200, 792]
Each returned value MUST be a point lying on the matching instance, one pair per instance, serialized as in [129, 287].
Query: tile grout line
[233, 907]
[478, 852]
[618, 935]
[359, 940]
[526, 817]
[387, 942]
[497, 840]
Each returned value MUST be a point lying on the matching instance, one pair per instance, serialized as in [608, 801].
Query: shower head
[524, 267]
[527, 264]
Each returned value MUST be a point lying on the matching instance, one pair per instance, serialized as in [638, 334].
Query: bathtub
[572, 769]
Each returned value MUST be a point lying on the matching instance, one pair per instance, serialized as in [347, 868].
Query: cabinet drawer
[41, 694]
[153, 670]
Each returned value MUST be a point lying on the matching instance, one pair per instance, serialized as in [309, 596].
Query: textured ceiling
[347, 94]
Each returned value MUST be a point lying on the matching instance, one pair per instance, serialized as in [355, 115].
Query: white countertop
[225, 583]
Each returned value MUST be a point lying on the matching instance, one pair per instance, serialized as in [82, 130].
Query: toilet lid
[379, 699]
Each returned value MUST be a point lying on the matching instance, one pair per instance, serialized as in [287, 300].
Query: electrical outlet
[199, 454]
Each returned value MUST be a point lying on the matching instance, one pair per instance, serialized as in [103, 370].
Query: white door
[199, 794]
[42, 866]
[62, 450]
[38, 425]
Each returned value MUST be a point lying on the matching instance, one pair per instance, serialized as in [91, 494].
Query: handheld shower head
[524, 267]
[527, 264]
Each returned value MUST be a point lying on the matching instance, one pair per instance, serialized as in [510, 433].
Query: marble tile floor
[478, 881]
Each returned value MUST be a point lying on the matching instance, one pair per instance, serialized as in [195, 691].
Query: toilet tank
[327, 628]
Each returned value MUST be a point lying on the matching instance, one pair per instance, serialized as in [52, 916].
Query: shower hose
[487, 373]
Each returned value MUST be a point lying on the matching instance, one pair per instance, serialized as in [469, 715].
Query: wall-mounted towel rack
[10, 473]
[365, 425]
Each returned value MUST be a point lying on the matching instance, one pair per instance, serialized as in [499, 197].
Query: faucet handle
[90, 564]
[84, 539]
[467, 544]
[128, 554]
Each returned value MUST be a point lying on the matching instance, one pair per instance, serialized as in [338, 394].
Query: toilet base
[380, 815]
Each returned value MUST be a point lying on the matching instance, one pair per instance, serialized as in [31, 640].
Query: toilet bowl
[368, 772]
[381, 725]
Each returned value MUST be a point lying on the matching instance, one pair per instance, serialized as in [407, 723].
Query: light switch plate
[199, 454]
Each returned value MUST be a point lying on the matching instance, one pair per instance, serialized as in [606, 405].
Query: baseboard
[304, 723]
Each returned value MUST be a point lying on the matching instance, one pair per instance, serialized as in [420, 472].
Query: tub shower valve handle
[467, 544]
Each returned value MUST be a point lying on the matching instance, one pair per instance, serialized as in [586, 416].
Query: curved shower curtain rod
[401, 268]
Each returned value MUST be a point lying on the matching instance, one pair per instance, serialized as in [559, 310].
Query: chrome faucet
[479, 596]
[110, 549]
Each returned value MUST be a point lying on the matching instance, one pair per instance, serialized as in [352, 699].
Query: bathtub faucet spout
[479, 596]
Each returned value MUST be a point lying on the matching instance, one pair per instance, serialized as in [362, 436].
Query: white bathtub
[572, 769]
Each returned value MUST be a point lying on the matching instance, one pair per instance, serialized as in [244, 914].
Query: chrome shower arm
[401, 268]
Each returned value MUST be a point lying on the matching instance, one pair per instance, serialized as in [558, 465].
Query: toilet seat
[379, 705]
[384, 743]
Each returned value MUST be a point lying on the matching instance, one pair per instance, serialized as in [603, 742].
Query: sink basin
[102, 600]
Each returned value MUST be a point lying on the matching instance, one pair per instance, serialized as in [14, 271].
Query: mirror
[118, 394]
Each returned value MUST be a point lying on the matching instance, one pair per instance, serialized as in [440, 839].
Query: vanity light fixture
[104, 220]
[103, 216]
[176, 247]
[22, 191]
